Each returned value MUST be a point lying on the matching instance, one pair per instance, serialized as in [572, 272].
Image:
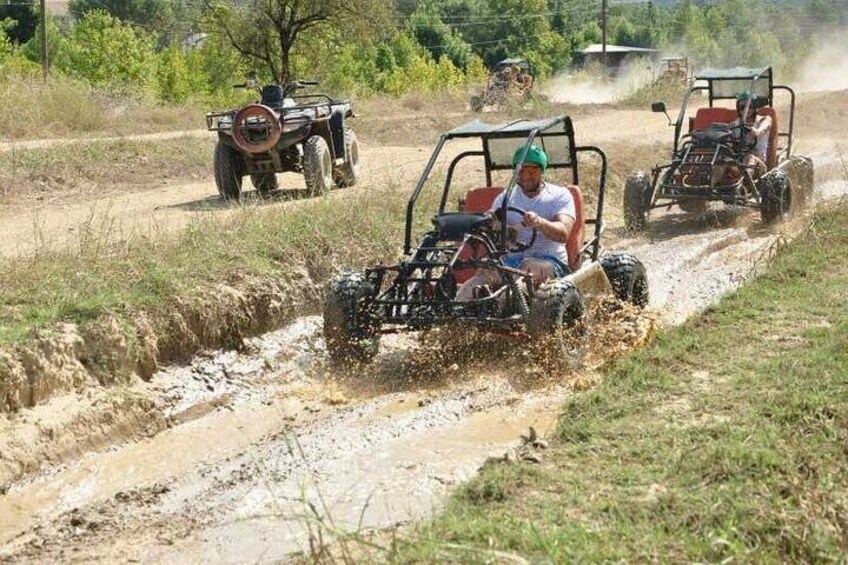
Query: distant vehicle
[707, 162]
[283, 132]
[511, 78]
[420, 291]
[674, 69]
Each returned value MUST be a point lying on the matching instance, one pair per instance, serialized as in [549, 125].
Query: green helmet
[745, 95]
[535, 155]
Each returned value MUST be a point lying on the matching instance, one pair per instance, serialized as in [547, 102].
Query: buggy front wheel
[775, 197]
[627, 277]
[350, 325]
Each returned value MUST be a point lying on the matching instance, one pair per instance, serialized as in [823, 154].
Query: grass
[122, 277]
[723, 440]
[67, 108]
[101, 165]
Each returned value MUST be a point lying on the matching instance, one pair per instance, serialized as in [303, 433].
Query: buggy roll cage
[524, 132]
[759, 81]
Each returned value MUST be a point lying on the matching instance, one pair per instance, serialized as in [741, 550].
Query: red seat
[480, 200]
[704, 117]
[576, 237]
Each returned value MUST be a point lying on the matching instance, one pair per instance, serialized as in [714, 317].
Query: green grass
[122, 277]
[726, 438]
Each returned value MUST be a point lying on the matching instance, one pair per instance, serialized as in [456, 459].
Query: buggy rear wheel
[348, 173]
[350, 325]
[317, 166]
[775, 197]
[229, 170]
[637, 198]
[265, 183]
[627, 277]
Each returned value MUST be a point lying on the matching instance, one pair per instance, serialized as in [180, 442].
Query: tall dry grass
[66, 108]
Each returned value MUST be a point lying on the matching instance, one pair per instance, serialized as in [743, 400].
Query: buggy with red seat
[708, 161]
[420, 292]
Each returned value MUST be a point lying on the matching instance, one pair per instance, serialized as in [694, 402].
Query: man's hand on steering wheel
[518, 247]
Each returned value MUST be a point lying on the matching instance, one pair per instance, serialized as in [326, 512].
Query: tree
[268, 30]
[26, 18]
[434, 35]
[150, 13]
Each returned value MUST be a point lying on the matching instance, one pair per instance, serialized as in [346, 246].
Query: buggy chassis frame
[420, 290]
[668, 181]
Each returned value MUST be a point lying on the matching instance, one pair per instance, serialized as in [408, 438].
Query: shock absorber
[519, 298]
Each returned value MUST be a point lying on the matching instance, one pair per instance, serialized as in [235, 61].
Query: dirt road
[260, 450]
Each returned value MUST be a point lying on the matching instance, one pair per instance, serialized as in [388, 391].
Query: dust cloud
[588, 87]
[827, 68]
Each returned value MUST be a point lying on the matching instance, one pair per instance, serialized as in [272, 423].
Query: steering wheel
[519, 247]
[744, 141]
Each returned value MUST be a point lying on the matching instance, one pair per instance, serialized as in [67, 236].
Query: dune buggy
[284, 132]
[707, 163]
[510, 78]
[420, 291]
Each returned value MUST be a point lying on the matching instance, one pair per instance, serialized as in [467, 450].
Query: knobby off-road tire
[557, 326]
[775, 197]
[627, 277]
[350, 326]
[556, 304]
[317, 166]
[637, 190]
[229, 170]
[265, 183]
[347, 174]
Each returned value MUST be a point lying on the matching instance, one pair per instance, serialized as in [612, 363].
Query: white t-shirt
[761, 147]
[551, 201]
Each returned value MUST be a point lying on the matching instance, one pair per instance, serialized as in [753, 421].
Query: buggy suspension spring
[520, 298]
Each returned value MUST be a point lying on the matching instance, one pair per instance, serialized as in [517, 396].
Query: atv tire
[348, 173]
[350, 326]
[775, 197]
[317, 166]
[556, 304]
[265, 183]
[229, 170]
[627, 277]
[637, 199]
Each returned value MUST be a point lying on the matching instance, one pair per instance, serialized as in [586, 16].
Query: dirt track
[255, 437]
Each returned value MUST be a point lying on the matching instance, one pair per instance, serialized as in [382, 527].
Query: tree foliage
[21, 19]
[269, 30]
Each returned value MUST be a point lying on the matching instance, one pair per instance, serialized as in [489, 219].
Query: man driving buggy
[757, 135]
[752, 130]
[549, 209]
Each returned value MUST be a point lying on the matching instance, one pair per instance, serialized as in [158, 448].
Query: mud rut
[264, 448]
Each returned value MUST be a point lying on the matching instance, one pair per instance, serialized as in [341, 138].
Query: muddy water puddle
[397, 480]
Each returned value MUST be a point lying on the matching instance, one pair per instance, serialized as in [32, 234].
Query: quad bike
[708, 162]
[420, 292]
[284, 132]
[511, 78]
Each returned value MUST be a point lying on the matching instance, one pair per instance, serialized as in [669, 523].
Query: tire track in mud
[236, 484]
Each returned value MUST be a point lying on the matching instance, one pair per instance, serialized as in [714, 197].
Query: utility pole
[45, 64]
[603, 34]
